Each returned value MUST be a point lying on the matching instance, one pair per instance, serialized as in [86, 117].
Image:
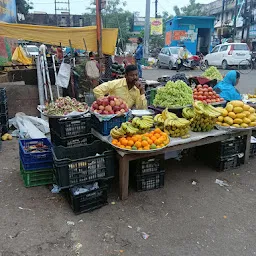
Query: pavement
[180, 219]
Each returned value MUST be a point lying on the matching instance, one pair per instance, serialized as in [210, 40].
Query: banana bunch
[126, 129]
[144, 123]
[205, 117]
[188, 113]
[177, 127]
[166, 114]
[251, 96]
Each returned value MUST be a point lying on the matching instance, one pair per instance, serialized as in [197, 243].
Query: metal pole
[55, 2]
[99, 31]
[55, 75]
[147, 29]
[245, 9]
[234, 25]
[40, 81]
[156, 5]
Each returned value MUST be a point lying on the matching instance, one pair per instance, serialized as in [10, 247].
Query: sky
[79, 6]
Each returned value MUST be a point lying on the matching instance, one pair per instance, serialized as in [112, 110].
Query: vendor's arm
[104, 89]
[140, 100]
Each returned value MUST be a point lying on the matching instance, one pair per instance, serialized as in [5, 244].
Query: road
[247, 82]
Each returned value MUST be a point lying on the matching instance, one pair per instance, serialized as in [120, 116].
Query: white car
[168, 57]
[31, 50]
[228, 54]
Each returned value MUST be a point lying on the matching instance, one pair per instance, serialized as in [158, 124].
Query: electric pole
[156, 6]
[59, 7]
[244, 19]
[147, 29]
[99, 30]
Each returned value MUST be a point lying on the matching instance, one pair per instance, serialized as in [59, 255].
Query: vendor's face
[132, 77]
[237, 81]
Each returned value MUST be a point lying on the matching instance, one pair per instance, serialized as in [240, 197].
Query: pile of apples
[206, 94]
[109, 105]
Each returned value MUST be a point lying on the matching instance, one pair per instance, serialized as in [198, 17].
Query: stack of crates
[253, 145]
[4, 120]
[149, 173]
[83, 164]
[225, 155]
[36, 164]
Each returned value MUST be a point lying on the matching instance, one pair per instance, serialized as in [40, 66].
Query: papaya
[238, 110]
[237, 103]
[228, 120]
[232, 115]
[236, 125]
[246, 120]
[252, 124]
[247, 113]
[246, 107]
[224, 112]
[252, 117]
[229, 107]
[220, 118]
[243, 125]
[238, 121]
[240, 115]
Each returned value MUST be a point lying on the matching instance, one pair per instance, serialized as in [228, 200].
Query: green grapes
[212, 73]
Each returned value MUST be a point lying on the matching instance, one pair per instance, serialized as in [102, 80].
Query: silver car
[168, 57]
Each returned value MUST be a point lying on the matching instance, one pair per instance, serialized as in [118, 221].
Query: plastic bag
[63, 76]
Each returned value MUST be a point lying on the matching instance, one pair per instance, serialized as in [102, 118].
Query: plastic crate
[228, 163]
[3, 107]
[36, 177]
[4, 118]
[35, 161]
[88, 201]
[70, 127]
[148, 165]
[253, 150]
[3, 96]
[150, 181]
[105, 127]
[78, 165]
[73, 141]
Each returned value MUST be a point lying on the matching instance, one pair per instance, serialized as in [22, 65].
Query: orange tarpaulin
[56, 35]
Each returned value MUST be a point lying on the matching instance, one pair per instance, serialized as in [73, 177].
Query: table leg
[248, 146]
[123, 177]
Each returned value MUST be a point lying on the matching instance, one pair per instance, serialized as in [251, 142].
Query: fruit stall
[88, 146]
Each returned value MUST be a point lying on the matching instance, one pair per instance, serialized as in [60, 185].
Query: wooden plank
[247, 147]
[123, 177]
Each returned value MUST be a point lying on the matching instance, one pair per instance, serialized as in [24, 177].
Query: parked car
[168, 57]
[31, 50]
[228, 54]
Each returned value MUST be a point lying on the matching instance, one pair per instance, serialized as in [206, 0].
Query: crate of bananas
[172, 125]
[204, 118]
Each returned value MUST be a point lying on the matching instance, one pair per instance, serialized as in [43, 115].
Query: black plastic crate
[3, 107]
[88, 201]
[3, 96]
[81, 164]
[104, 127]
[150, 181]
[73, 141]
[4, 118]
[148, 165]
[253, 150]
[228, 163]
[71, 127]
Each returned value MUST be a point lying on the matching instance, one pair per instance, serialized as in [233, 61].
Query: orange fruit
[153, 138]
[144, 143]
[128, 138]
[138, 144]
[140, 148]
[124, 142]
[162, 145]
[158, 147]
[157, 130]
[122, 146]
[134, 139]
[147, 148]
[150, 141]
[114, 142]
[157, 135]
[128, 147]
[130, 143]
[144, 138]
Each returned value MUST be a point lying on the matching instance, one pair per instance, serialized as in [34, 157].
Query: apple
[122, 111]
[101, 107]
[205, 86]
[111, 98]
[112, 103]
[118, 103]
[118, 113]
[99, 101]
[122, 106]
[100, 111]
[199, 86]
[105, 102]
[105, 112]
[208, 101]
[95, 105]
[108, 108]
[111, 112]
[96, 111]
[116, 108]
[210, 89]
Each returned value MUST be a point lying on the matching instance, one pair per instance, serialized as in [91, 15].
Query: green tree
[192, 9]
[23, 6]
[114, 16]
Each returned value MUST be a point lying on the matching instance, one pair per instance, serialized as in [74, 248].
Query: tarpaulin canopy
[56, 35]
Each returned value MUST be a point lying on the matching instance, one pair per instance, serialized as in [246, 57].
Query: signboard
[252, 31]
[156, 25]
[8, 11]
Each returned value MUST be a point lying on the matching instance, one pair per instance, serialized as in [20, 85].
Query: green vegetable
[212, 73]
[174, 94]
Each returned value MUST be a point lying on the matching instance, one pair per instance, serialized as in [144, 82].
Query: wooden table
[126, 158]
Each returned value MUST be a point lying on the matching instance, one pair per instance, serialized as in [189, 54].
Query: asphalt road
[247, 82]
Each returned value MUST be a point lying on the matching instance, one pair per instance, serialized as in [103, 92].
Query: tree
[114, 16]
[23, 6]
[193, 9]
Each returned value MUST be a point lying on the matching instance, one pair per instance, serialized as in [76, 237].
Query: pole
[55, 2]
[234, 25]
[249, 21]
[147, 28]
[222, 17]
[55, 75]
[156, 5]
[99, 31]
[40, 82]
[244, 24]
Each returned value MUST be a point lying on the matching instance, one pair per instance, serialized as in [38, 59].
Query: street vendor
[128, 88]
[226, 88]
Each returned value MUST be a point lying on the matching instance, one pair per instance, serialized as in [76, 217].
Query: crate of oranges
[150, 141]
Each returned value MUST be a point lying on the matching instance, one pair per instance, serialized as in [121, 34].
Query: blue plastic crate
[105, 127]
[35, 161]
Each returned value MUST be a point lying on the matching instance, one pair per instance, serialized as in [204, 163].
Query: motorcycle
[195, 61]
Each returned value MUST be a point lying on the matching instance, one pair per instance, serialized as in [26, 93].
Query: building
[63, 19]
[224, 28]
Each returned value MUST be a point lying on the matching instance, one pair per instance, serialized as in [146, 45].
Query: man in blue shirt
[139, 56]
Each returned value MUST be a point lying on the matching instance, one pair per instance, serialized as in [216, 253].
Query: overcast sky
[79, 6]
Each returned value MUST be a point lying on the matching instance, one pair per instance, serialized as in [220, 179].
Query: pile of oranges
[152, 140]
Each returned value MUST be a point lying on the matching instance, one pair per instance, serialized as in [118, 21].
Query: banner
[156, 26]
[8, 11]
